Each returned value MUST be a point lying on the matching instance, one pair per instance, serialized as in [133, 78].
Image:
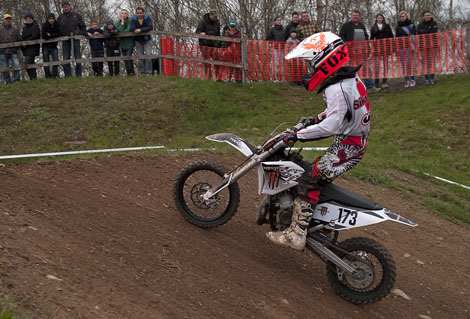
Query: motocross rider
[346, 117]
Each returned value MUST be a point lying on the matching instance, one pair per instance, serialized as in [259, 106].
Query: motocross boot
[296, 235]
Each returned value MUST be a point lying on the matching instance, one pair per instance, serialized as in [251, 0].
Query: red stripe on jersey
[363, 92]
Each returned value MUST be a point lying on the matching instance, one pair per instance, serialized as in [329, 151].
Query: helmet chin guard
[326, 53]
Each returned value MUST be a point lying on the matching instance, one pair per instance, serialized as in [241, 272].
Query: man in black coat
[354, 30]
[292, 25]
[71, 22]
[209, 25]
[50, 30]
[30, 32]
[429, 50]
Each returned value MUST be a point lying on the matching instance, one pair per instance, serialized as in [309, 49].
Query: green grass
[417, 131]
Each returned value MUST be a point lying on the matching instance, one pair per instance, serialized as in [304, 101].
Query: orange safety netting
[229, 52]
[443, 52]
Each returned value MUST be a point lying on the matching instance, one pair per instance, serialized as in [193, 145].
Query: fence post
[244, 53]
[467, 30]
[72, 55]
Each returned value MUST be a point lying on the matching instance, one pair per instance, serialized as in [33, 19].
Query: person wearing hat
[294, 68]
[209, 25]
[234, 49]
[8, 34]
[30, 32]
[50, 30]
[111, 42]
[71, 22]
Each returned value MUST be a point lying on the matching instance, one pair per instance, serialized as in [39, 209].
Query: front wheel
[375, 271]
[192, 183]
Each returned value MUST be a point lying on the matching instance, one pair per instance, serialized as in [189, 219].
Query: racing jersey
[347, 113]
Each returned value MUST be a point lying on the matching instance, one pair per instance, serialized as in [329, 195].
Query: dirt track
[108, 232]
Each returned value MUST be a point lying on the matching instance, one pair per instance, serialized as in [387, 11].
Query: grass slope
[417, 131]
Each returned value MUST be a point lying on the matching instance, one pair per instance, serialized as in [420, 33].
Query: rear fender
[240, 144]
[341, 217]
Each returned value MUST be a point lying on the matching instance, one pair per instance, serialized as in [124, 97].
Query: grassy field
[414, 132]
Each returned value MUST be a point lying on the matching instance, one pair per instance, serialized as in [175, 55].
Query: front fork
[243, 169]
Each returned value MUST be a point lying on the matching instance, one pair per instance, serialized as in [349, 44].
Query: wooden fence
[88, 60]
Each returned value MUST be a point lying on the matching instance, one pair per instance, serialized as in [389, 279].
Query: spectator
[294, 64]
[276, 33]
[293, 37]
[142, 23]
[428, 26]
[112, 43]
[354, 30]
[31, 31]
[407, 29]
[50, 30]
[96, 47]
[127, 43]
[381, 30]
[8, 34]
[209, 25]
[71, 22]
[292, 25]
[233, 52]
[306, 27]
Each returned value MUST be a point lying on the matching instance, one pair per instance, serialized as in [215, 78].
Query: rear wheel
[192, 183]
[375, 271]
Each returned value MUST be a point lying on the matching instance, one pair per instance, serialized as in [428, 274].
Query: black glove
[290, 138]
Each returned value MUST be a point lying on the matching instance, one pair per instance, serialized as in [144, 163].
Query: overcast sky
[463, 4]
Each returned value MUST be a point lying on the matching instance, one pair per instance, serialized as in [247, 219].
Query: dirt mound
[100, 238]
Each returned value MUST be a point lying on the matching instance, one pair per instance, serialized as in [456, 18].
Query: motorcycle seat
[332, 192]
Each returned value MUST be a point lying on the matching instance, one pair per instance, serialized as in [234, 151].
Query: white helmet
[326, 53]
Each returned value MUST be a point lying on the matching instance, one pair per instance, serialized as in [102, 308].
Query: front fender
[240, 144]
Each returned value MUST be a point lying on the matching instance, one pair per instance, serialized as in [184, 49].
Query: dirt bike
[359, 269]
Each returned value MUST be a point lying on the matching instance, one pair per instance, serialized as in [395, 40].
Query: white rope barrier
[125, 149]
[447, 181]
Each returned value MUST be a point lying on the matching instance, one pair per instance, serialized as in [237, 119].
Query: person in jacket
[50, 30]
[406, 46]
[276, 34]
[346, 119]
[111, 42]
[428, 26]
[381, 49]
[353, 31]
[31, 31]
[96, 47]
[127, 43]
[209, 25]
[294, 66]
[142, 23]
[292, 25]
[8, 34]
[233, 52]
[293, 37]
[306, 27]
[71, 22]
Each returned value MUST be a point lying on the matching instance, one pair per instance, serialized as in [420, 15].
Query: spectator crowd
[103, 41]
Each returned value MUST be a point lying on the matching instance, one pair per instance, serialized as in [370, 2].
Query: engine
[285, 204]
